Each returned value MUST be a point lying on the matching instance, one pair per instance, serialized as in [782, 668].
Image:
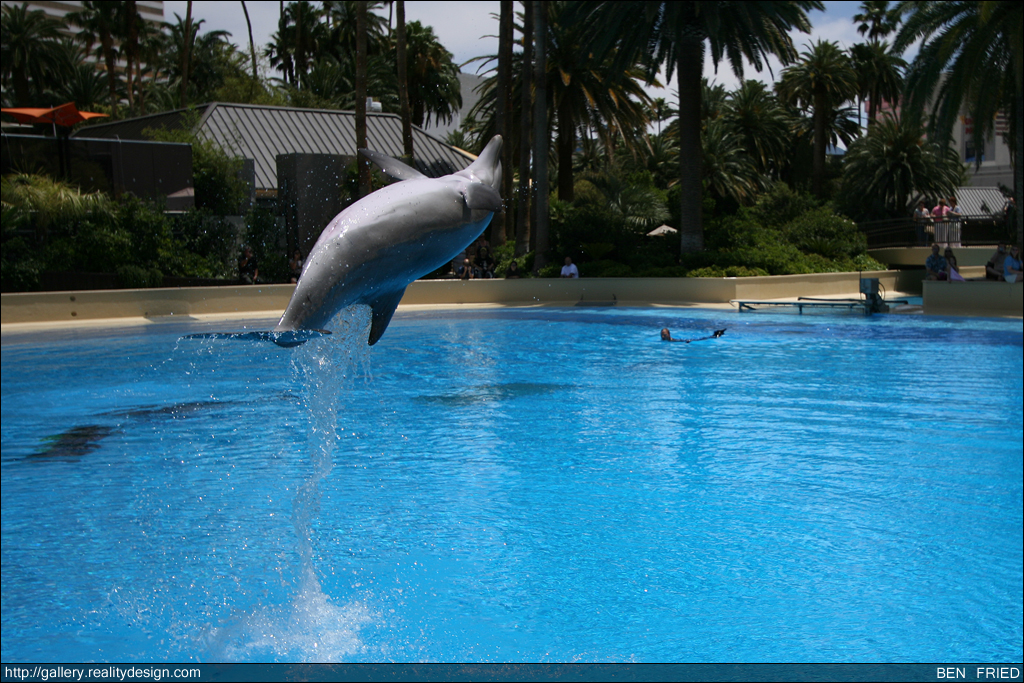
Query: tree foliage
[892, 166]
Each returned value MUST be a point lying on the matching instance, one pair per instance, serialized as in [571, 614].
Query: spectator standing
[955, 221]
[923, 223]
[941, 226]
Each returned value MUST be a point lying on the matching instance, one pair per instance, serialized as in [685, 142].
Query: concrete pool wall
[971, 298]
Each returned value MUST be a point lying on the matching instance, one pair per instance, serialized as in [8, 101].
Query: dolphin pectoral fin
[479, 196]
[392, 167]
[383, 308]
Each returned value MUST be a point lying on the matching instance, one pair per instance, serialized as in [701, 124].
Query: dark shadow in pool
[83, 439]
[174, 411]
[74, 443]
[487, 393]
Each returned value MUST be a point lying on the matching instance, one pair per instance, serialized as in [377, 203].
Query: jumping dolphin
[372, 250]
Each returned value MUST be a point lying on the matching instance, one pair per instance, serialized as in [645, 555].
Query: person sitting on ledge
[935, 265]
[1012, 265]
[466, 270]
[569, 269]
[994, 267]
[951, 263]
[248, 267]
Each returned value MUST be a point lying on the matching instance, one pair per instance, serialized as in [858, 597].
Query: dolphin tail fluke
[390, 166]
[383, 308]
[285, 338]
[487, 167]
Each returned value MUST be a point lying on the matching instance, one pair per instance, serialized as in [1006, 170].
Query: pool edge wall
[270, 300]
[974, 298]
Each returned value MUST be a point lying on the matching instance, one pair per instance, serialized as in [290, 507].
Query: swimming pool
[518, 485]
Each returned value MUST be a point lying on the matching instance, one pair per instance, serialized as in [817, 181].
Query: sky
[470, 29]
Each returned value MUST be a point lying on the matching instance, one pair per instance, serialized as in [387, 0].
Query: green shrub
[136, 277]
[781, 204]
[216, 176]
[269, 242]
[822, 231]
[506, 254]
[707, 271]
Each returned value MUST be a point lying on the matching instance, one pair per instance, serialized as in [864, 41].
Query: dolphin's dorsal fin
[484, 197]
[383, 308]
[392, 167]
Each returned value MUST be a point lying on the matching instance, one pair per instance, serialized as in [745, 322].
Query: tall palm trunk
[540, 133]
[503, 119]
[523, 212]
[186, 48]
[107, 42]
[252, 51]
[362, 164]
[817, 180]
[690, 66]
[131, 47]
[566, 144]
[403, 84]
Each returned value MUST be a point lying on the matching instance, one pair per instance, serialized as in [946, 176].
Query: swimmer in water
[667, 336]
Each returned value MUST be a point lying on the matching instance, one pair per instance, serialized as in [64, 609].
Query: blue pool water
[518, 485]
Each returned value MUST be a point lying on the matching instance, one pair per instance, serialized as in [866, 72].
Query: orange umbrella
[64, 115]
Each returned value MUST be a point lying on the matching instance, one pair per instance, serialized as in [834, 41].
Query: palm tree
[660, 110]
[361, 29]
[971, 58]
[434, 88]
[129, 34]
[763, 124]
[823, 80]
[540, 132]
[523, 212]
[187, 36]
[252, 50]
[879, 74]
[586, 88]
[300, 38]
[341, 29]
[673, 34]
[729, 171]
[501, 224]
[79, 81]
[403, 82]
[29, 49]
[195, 60]
[893, 164]
[585, 91]
[876, 20]
[100, 22]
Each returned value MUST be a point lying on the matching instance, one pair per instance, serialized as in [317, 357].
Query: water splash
[312, 628]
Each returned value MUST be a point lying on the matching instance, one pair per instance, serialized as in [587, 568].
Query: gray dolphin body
[372, 250]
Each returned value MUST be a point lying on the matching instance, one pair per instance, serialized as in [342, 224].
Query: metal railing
[905, 232]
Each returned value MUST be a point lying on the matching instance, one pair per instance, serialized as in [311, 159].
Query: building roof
[980, 201]
[261, 133]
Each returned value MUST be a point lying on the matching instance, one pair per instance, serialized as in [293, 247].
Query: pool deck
[34, 312]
